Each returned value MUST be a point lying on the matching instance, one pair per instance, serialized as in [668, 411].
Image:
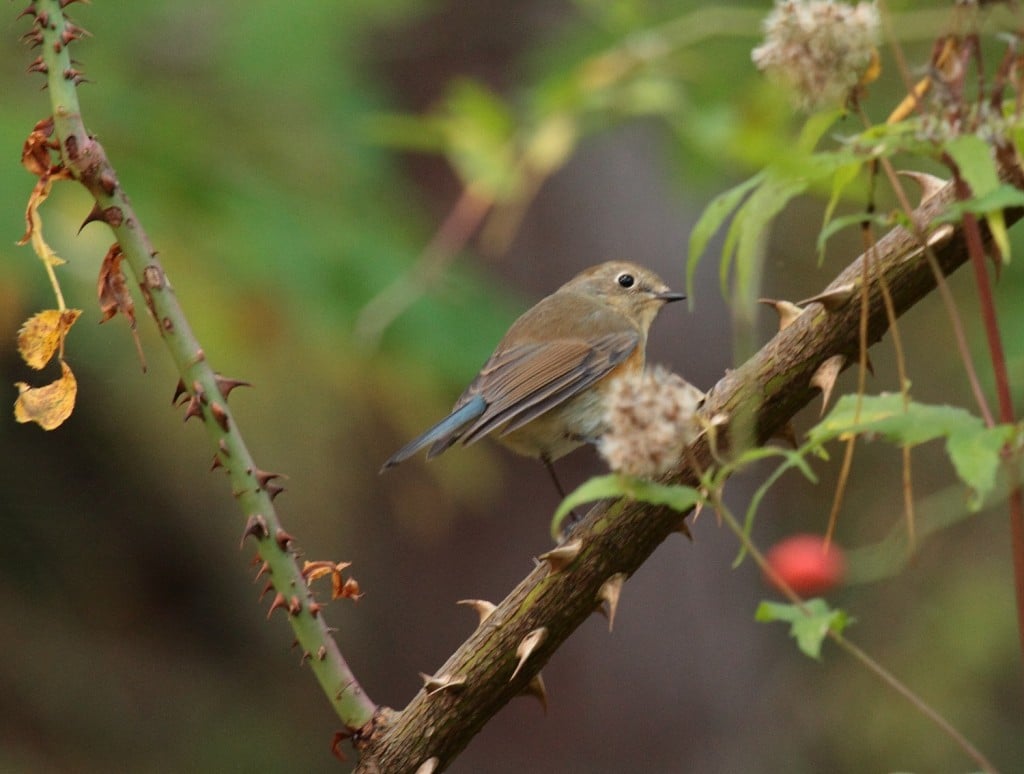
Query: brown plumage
[541, 392]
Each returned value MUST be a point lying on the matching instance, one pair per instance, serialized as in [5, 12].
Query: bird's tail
[443, 434]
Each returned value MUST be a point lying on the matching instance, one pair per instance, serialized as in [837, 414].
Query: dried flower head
[821, 49]
[650, 418]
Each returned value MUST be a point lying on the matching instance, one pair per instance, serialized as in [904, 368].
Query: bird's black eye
[625, 280]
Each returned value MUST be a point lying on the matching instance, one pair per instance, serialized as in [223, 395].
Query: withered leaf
[349, 589]
[47, 406]
[112, 288]
[43, 334]
[35, 153]
[34, 223]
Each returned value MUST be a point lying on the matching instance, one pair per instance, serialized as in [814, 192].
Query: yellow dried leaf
[43, 334]
[47, 406]
[34, 222]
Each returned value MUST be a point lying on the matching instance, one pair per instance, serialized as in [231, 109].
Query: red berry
[806, 565]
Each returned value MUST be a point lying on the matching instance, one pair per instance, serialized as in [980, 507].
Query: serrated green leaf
[972, 448]
[809, 624]
[711, 220]
[747, 230]
[976, 457]
[679, 498]
[597, 488]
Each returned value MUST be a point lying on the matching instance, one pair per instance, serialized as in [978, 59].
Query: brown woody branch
[759, 399]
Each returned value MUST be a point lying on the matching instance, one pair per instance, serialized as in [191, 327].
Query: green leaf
[791, 459]
[745, 237]
[479, 130]
[711, 220]
[597, 488]
[809, 623]
[990, 206]
[973, 157]
[972, 448]
[853, 219]
[841, 180]
[679, 498]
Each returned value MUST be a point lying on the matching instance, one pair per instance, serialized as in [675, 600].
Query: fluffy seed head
[821, 49]
[650, 418]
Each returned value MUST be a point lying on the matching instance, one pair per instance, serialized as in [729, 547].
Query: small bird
[542, 391]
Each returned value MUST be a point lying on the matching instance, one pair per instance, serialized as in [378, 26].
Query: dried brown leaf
[35, 153]
[112, 287]
[43, 334]
[47, 406]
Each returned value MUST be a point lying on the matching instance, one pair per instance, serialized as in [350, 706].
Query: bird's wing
[523, 382]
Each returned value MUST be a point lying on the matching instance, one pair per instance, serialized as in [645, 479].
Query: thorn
[314, 610]
[264, 569]
[429, 766]
[194, 409]
[216, 463]
[684, 528]
[33, 38]
[941, 235]
[226, 385]
[95, 216]
[279, 601]
[255, 526]
[282, 539]
[561, 557]
[179, 390]
[825, 378]
[482, 607]
[220, 415]
[832, 298]
[442, 683]
[73, 32]
[198, 391]
[30, 11]
[266, 590]
[264, 479]
[339, 737]
[294, 606]
[223, 446]
[526, 648]
[787, 311]
[321, 653]
[609, 593]
[537, 689]
[38, 66]
[66, 3]
[306, 656]
[930, 185]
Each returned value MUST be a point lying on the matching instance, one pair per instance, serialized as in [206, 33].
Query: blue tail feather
[443, 433]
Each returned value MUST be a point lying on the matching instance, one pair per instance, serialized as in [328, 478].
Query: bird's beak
[670, 295]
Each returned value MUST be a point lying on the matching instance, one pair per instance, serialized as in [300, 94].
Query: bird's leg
[554, 476]
[574, 517]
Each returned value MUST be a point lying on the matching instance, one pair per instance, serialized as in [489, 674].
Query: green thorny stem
[83, 156]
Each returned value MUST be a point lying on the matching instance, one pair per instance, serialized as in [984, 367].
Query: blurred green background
[270, 153]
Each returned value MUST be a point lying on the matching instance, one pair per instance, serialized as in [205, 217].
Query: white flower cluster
[650, 418]
[820, 48]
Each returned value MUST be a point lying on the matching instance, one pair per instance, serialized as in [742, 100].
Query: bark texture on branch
[759, 398]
